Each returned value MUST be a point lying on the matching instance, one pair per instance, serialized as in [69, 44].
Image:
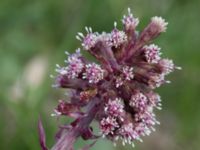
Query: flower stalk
[67, 139]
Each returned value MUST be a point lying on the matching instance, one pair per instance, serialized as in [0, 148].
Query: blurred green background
[33, 37]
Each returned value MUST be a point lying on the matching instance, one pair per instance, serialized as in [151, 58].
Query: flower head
[75, 65]
[118, 91]
[115, 108]
[118, 37]
[159, 23]
[152, 53]
[94, 73]
[154, 100]
[129, 21]
[89, 40]
[128, 134]
[108, 125]
[138, 101]
[167, 66]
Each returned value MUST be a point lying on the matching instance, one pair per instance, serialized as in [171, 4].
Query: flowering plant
[118, 91]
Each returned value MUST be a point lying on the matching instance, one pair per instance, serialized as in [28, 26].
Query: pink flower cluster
[118, 91]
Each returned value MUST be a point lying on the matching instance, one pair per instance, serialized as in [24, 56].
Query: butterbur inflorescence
[118, 91]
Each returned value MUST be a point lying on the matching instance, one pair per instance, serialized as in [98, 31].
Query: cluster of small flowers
[118, 91]
[116, 125]
[115, 38]
[78, 69]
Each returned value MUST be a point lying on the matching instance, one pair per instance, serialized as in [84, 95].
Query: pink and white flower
[94, 73]
[118, 91]
[152, 53]
[129, 22]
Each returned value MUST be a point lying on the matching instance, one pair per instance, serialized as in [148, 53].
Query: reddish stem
[69, 137]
